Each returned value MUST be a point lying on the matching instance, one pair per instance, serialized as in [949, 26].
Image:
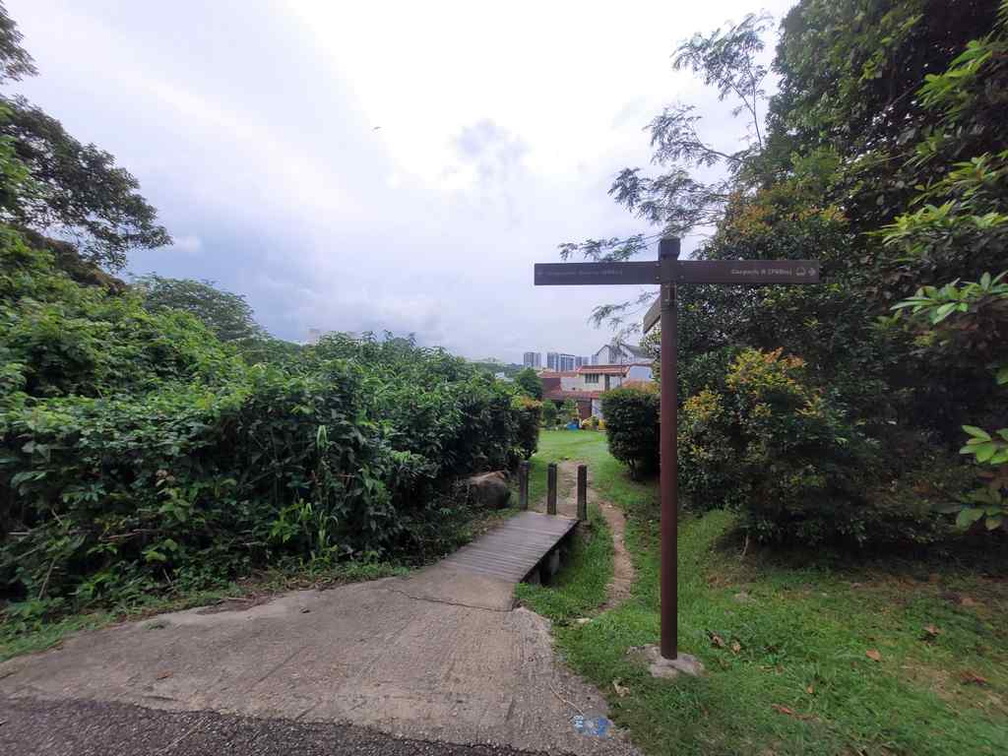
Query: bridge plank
[514, 548]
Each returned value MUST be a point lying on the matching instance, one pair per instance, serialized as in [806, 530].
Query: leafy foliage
[766, 441]
[568, 411]
[529, 418]
[137, 450]
[75, 190]
[529, 383]
[550, 413]
[970, 321]
[15, 62]
[631, 416]
[227, 315]
[884, 156]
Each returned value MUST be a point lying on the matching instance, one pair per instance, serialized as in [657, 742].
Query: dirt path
[619, 586]
[622, 580]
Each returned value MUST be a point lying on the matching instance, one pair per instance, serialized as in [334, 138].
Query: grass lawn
[820, 654]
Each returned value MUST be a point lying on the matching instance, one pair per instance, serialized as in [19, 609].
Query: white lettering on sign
[801, 271]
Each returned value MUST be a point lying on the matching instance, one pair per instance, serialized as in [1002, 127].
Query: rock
[489, 490]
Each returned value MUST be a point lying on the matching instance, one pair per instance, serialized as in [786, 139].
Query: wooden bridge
[516, 549]
[527, 546]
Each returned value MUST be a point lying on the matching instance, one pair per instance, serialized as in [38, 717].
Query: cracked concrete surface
[439, 655]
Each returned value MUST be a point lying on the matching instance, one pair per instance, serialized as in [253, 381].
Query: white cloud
[252, 127]
[188, 243]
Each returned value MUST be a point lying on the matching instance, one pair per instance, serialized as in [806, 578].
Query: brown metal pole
[582, 492]
[523, 484]
[669, 462]
[551, 488]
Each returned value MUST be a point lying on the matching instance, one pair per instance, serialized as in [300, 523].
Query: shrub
[550, 413]
[529, 383]
[137, 450]
[529, 415]
[631, 417]
[771, 444]
[969, 321]
[569, 411]
[111, 492]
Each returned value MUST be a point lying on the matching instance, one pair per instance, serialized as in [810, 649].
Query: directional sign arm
[755, 272]
[568, 274]
[744, 272]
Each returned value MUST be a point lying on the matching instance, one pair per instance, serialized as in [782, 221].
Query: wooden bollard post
[523, 484]
[551, 488]
[582, 493]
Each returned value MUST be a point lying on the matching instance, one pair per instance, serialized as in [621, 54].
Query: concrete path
[93, 728]
[440, 655]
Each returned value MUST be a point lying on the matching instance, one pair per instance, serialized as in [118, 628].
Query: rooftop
[604, 369]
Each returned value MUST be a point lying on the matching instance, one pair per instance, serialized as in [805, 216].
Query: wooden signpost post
[668, 271]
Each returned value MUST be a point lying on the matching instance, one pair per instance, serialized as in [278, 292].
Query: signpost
[668, 271]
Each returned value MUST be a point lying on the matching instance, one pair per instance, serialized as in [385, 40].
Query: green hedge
[631, 417]
[136, 450]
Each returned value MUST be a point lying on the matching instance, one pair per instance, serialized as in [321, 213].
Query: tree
[849, 78]
[679, 200]
[569, 411]
[961, 224]
[970, 321]
[76, 191]
[227, 314]
[529, 383]
[550, 413]
[883, 155]
[15, 62]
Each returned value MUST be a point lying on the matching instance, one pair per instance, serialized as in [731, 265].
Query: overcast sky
[378, 165]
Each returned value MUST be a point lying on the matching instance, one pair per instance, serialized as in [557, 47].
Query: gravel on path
[95, 728]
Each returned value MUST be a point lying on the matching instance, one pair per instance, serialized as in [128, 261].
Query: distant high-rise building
[561, 362]
[532, 359]
[580, 361]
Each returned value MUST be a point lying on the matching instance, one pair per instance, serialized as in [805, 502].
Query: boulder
[489, 490]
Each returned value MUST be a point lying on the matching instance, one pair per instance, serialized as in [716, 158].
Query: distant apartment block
[583, 380]
[560, 362]
[532, 359]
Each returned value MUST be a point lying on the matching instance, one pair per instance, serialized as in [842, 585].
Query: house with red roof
[586, 385]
